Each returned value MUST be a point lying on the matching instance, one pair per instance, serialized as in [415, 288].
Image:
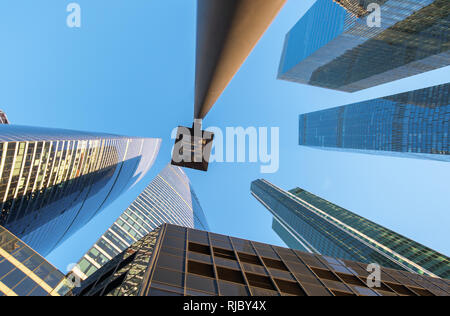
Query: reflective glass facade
[335, 48]
[52, 181]
[414, 124]
[324, 228]
[290, 240]
[178, 261]
[169, 198]
[23, 272]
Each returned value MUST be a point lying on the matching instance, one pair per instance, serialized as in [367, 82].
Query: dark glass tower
[414, 124]
[335, 48]
[178, 261]
[169, 198]
[308, 222]
[53, 181]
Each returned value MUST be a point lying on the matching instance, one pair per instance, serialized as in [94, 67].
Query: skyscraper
[23, 272]
[169, 198]
[414, 124]
[53, 181]
[340, 49]
[308, 222]
[3, 118]
[177, 261]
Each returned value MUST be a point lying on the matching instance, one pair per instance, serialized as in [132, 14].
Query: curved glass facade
[415, 124]
[169, 198]
[53, 181]
[322, 227]
[335, 48]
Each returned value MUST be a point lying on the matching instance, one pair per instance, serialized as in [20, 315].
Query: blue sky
[130, 70]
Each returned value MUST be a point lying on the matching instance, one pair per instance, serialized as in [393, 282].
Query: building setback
[178, 261]
[169, 198]
[309, 223]
[336, 46]
[54, 181]
[414, 124]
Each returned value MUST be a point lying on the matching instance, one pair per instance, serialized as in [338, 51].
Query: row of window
[278, 267]
[157, 204]
[25, 272]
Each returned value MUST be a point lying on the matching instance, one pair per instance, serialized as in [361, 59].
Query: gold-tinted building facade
[52, 182]
[23, 272]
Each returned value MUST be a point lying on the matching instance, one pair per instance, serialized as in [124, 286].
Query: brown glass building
[177, 261]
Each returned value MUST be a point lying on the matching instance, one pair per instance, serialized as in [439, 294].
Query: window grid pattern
[335, 48]
[336, 232]
[189, 262]
[415, 124]
[429, 259]
[123, 275]
[23, 272]
[169, 198]
[54, 181]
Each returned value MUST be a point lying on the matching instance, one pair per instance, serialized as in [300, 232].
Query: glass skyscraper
[178, 261]
[308, 222]
[414, 124]
[54, 181]
[169, 198]
[340, 49]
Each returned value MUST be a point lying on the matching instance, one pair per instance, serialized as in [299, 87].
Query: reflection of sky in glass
[105, 77]
[55, 181]
[330, 48]
[414, 123]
